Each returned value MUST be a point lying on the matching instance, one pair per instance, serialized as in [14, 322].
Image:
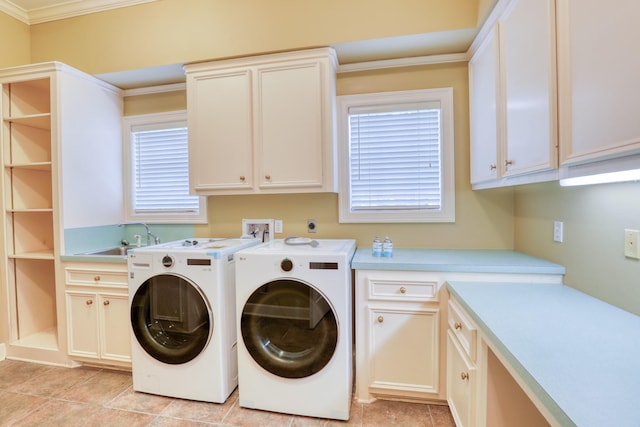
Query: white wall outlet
[278, 226]
[312, 227]
[631, 248]
[558, 231]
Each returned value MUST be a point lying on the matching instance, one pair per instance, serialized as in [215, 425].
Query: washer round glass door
[171, 319]
[289, 328]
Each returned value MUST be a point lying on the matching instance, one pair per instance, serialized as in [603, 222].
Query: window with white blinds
[159, 169]
[396, 157]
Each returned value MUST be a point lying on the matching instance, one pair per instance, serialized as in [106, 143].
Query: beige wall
[483, 219]
[175, 31]
[593, 249]
[14, 42]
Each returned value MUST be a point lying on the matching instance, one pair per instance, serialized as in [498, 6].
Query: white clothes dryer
[182, 300]
[294, 327]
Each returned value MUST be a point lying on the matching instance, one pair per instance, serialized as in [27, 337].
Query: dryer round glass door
[289, 328]
[171, 319]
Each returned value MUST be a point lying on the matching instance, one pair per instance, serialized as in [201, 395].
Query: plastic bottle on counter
[377, 247]
[387, 247]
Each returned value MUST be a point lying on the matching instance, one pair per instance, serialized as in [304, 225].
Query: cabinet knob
[96, 278]
[105, 302]
[380, 319]
[242, 178]
[267, 177]
[89, 301]
[403, 290]
[493, 167]
[508, 163]
[458, 326]
[464, 376]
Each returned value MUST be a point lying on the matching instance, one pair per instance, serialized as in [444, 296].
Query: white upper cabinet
[483, 97]
[599, 83]
[263, 124]
[528, 70]
[513, 96]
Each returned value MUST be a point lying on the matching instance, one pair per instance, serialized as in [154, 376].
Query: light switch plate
[631, 249]
[558, 231]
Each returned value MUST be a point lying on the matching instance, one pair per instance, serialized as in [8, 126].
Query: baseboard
[3, 351]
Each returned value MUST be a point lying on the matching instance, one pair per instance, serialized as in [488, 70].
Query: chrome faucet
[150, 235]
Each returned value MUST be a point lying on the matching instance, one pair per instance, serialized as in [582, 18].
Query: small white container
[387, 247]
[377, 247]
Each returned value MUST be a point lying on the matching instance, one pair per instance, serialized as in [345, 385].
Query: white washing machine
[182, 299]
[294, 327]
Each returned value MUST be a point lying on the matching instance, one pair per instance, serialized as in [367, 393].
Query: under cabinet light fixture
[603, 178]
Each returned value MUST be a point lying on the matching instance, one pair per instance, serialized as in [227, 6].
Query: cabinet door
[220, 124]
[404, 350]
[289, 125]
[461, 377]
[82, 324]
[598, 79]
[528, 70]
[483, 97]
[114, 324]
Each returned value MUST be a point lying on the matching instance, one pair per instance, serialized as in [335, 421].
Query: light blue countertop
[456, 260]
[94, 258]
[578, 354]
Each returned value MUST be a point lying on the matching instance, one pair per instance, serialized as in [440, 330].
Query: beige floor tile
[130, 400]
[100, 388]
[106, 417]
[441, 416]
[243, 417]
[57, 413]
[383, 413]
[16, 406]
[174, 422]
[55, 381]
[14, 373]
[200, 411]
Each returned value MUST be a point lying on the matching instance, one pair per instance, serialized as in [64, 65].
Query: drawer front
[403, 290]
[109, 278]
[463, 328]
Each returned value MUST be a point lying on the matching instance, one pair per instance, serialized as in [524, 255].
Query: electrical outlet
[631, 248]
[278, 226]
[311, 226]
[558, 231]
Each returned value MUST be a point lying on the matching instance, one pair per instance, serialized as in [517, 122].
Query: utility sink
[114, 251]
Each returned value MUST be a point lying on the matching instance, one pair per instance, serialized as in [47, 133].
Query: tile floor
[39, 395]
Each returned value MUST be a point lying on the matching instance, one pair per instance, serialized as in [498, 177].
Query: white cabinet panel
[483, 110]
[528, 69]
[598, 79]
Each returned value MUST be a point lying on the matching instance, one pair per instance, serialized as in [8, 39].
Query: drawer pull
[96, 278]
[242, 178]
[106, 302]
[267, 177]
[458, 326]
[403, 290]
[464, 376]
[380, 319]
[89, 301]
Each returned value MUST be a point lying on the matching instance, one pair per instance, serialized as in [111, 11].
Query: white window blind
[161, 170]
[395, 157]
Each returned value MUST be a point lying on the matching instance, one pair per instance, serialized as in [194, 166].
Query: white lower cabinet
[461, 380]
[98, 315]
[397, 335]
[463, 368]
[393, 367]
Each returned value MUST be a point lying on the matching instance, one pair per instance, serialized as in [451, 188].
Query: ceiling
[38, 11]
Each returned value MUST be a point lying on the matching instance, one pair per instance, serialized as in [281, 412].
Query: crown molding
[64, 10]
[403, 62]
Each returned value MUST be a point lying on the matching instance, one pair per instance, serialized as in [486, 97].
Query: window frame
[446, 213]
[129, 123]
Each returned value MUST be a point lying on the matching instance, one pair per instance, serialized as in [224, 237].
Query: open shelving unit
[29, 210]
